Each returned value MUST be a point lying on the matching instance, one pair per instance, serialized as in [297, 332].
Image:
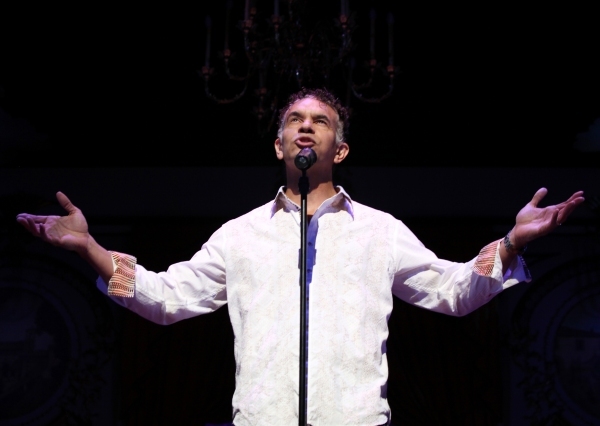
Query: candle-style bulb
[372, 44]
[229, 6]
[390, 19]
[208, 23]
[344, 8]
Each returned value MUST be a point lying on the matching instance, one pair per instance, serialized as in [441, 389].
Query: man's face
[310, 123]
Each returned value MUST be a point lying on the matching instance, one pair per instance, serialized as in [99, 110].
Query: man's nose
[306, 126]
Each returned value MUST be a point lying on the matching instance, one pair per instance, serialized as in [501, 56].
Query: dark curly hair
[328, 98]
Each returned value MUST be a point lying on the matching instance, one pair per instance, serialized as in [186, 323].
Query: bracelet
[510, 247]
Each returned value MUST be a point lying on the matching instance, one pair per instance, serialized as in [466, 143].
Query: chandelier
[293, 44]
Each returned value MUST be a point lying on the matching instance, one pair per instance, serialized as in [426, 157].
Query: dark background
[93, 91]
[117, 84]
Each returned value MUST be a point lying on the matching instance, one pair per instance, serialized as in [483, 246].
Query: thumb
[65, 203]
[539, 195]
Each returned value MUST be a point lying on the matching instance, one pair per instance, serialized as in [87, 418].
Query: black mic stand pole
[302, 410]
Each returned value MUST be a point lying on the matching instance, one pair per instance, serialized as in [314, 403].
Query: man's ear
[342, 151]
[278, 150]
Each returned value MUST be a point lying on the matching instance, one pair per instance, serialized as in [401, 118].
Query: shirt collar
[340, 201]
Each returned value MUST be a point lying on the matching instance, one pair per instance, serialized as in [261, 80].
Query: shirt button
[310, 243]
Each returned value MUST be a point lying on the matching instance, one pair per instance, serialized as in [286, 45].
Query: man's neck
[319, 191]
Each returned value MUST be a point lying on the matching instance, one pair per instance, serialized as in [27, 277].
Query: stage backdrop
[70, 356]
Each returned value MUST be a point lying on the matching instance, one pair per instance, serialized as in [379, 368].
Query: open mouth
[304, 142]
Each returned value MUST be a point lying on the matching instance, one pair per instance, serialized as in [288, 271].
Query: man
[358, 257]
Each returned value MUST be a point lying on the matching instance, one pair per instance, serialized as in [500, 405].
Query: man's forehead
[312, 103]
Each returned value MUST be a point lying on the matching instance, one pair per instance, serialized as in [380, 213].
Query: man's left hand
[533, 221]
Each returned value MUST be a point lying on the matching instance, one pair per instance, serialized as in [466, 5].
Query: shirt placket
[311, 257]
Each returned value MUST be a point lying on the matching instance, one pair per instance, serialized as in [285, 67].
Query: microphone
[305, 158]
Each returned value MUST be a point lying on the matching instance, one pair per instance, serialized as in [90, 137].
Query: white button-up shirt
[357, 258]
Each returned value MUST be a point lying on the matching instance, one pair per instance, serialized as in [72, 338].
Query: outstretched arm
[459, 288]
[533, 222]
[70, 232]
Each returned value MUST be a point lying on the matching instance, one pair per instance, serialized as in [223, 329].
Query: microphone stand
[302, 409]
[304, 160]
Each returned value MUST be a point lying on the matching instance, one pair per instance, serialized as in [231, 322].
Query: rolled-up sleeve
[186, 289]
[424, 280]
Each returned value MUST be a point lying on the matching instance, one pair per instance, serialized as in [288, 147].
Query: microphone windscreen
[305, 158]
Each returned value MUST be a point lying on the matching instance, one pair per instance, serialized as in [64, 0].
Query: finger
[576, 201]
[554, 219]
[567, 210]
[539, 195]
[65, 203]
[22, 220]
[29, 224]
[576, 196]
[573, 201]
[35, 218]
[28, 221]
[35, 226]
[42, 231]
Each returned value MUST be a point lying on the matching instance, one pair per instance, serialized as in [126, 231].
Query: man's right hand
[70, 232]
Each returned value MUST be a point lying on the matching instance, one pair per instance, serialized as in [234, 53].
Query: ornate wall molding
[555, 344]
[56, 344]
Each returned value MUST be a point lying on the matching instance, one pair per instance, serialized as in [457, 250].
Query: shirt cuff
[122, 282]
[489, 257]
[484, 264]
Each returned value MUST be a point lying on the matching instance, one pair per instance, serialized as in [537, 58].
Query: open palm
[533, 221]
[69, 232]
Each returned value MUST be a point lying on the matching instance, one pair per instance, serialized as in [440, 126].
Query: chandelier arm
[234, 77]
[375, 100]
[248, 47]
[274, 103]
[390, 71]
[224, 100]
[364, 85]
[270, 113]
